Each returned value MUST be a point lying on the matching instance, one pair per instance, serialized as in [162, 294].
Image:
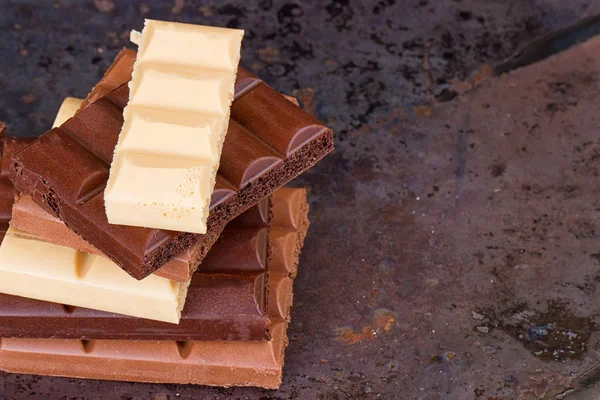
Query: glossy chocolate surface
[269, 142]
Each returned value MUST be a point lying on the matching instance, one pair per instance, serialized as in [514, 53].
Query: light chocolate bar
[33, 268]
[182, 83]
[217, 363]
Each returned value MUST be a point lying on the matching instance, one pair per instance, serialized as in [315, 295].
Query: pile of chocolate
[146, 237]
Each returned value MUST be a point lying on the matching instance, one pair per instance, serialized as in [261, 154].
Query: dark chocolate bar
[269, 142]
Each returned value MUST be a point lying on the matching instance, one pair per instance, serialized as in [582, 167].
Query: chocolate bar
[29, 217]
[118, 73]
[269, 142]
[183, 81]
[241, 248]
[10, 146]
[225, 300]
[219, 363]
[244, 237]
[32, 268]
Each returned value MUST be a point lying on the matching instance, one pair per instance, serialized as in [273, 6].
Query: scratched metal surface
[453, 248]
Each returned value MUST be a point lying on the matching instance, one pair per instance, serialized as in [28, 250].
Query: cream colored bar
[67, 109]
[165, 164]
[30, 267]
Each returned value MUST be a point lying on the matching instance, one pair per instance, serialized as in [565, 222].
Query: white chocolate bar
[67, 109]
[30, 267]
[33, 268]
[165, 163]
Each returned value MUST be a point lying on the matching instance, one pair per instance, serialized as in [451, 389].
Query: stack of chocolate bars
[150, 240]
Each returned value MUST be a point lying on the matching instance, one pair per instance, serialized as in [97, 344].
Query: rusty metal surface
[453, 251]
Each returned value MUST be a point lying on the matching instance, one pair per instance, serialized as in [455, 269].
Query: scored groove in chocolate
[279, 142]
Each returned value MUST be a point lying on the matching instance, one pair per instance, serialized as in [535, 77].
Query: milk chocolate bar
[33, 268]
[269, 142]
[182, 83]
[8, 145]
[217, 363]
[29, 217]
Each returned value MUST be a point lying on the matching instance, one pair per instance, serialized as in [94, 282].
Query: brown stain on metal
[307, 98]
[268, 54]
[29, 98]
[348, 336]
[178, 6]
[104, 5]
[422, 111]
[477, 78]
[485, 72]
[383, 322]
[395, 121]
[206, 11]
[373, 298]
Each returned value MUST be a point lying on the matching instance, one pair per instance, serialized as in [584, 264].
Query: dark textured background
[381, 310]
